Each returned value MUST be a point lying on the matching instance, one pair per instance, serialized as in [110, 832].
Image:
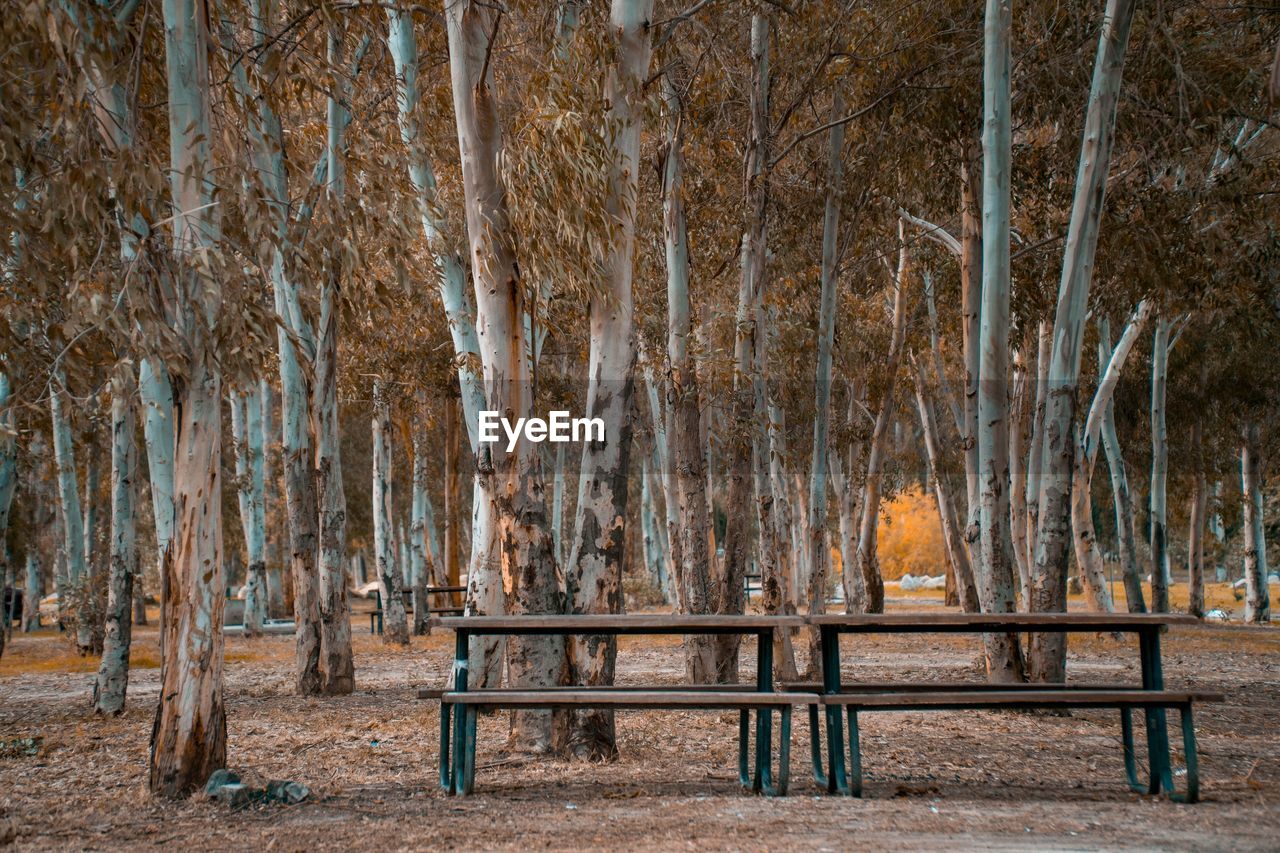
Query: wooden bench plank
[593, 698]
[997, 622]
[1020, 699]
[945, 687]
[663, 623]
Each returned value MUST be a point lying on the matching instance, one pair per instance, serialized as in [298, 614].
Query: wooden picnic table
[457, 764]
[836, 695]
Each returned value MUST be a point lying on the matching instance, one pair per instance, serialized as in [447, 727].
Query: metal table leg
[837, 781]
[463, 719]
[1157, 727]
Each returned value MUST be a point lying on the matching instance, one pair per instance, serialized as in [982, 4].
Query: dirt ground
[959, 781]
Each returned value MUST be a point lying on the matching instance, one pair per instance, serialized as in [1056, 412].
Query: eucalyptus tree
[693, 571]
[484, 583]
[246, 433]
[390, 571]
[113, 672]
[1257, 602]
[1047, 653]
[994, 566]
[188, 740]
[514, 488]
[594, 570]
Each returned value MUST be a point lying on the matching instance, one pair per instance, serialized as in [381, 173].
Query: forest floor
[936, 780]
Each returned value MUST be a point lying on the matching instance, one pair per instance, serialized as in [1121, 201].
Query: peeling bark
[113, 672]
[1257, 596]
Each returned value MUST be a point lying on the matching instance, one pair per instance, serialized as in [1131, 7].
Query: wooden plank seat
[1016, 697]
[458, 775]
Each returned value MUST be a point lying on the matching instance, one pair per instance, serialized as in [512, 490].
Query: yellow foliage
[910, 537]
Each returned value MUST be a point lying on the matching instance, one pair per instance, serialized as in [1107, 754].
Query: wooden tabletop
[661, 623]
[974, 622]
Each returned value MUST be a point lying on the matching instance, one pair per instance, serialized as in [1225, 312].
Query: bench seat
[1018, 699]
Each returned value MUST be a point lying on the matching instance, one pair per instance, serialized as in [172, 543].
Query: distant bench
[375, 616]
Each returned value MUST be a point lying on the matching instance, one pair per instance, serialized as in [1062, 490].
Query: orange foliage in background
[910, 537]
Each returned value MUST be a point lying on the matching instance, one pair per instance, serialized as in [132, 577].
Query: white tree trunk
[1257, 597]
[816, 518]
[594, 570]
[952, 537]
[1159, 469]
[694, 574]
[868, 560]
[113, 672]
[516, 505]
[336, 667]
[993, 570]
[74, 603]
[246, 432]
[1126, 536]
[390, 573]
[1047, 656]
[188, 740]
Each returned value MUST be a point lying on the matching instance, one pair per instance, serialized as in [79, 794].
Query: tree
[189, 738]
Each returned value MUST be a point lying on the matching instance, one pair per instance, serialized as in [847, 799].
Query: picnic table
[458, 739]
[841, 701]
[853, 697]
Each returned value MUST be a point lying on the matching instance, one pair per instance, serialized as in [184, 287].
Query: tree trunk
[868, 560]
[246, 432]
[1257, 597]
[816, 519]
[1018, 422]
[971, 308]
[1196, 523]
[669, 536]
[276, 607]
[957, 556]
[754, 254]
[395, 628]
[1049, 576]
[452, 494]
[1126, 531]
[594, 570]
[156, 393]
[8, 485]
[336, 667]
[994, 568]
[74, 602]
[484, 588]
[1035, 460]
[113, 672]
[423, 565]
[694, 574]
[511, 483]
[1159, 469]
[189, 738]
[1087, 556]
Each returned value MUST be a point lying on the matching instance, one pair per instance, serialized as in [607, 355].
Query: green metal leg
[744, 745]
[836, 780]
[855, 754]
[468, 774]
[815, 747]
[1193, 760]
[446, 769]
[778, 787]
[1130, 761]
[461, 717]
[1157, 723]
[764, 716]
